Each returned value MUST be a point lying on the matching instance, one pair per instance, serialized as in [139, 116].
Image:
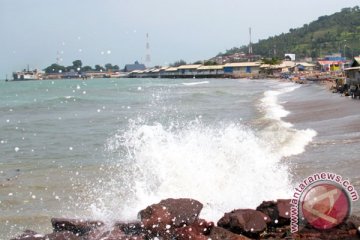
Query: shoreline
[335, 119]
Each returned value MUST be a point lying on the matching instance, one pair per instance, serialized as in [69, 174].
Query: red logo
[325, 206]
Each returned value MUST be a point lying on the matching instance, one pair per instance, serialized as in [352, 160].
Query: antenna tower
[250, 44]
[147, 57]
[58, 58]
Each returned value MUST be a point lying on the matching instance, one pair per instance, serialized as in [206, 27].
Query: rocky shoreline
[178, 219]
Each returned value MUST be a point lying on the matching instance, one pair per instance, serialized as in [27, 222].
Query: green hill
[326, 35]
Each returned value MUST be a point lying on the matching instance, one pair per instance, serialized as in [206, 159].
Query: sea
[106, 148]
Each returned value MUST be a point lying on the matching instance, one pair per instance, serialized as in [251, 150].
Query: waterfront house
[210, 71]
[242, 69]
[136, 74]
[188, 70]
[304, 66]
[353, 72]
[332, 63]
[278, 69]
[170, 72]
[330, 66]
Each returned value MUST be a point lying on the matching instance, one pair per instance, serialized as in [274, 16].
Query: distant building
[332, 63]
[290, 57]
[133, 67]
[353, 72]
[242, 68]
[278, 69]
[304, 66]
[188, 70]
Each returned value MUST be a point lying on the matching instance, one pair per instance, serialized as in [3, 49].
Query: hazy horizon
[110, 31]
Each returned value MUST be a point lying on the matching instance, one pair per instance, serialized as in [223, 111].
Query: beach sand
[336, 119]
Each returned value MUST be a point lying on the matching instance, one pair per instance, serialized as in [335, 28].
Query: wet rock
[248, 222]
[130, 228]
[114, 234]
[75, 226]
[283, 206]
[197, 230]
[218, 233]
[158, 222]
[278, 211]
[161, 219]
[277, 233]
[182, 211]
[177, 219]
[66, 235]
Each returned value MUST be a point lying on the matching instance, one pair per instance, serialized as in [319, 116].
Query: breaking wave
[195, 83]
[225, 166]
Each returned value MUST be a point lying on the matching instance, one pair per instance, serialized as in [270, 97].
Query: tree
[178, 63]
[99, 68]
[77, 64]
[330, 30]
[55, 68]
[108, 67]
[87, 69]
[272, 61]
[116, 68]
[210, 63]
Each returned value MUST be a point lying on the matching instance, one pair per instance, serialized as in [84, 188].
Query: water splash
[225, 166]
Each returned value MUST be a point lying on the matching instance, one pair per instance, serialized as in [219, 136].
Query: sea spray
[224, 165]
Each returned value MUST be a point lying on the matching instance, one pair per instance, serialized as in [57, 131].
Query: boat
[27, 75]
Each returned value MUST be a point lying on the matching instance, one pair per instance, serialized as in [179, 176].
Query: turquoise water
[106, 148]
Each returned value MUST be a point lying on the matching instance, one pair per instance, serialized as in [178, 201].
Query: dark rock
[278, 211]
[130, 228]
[218, 233]
[75, 226]
[182, 211]
[114, 234]
[248, 222]
[160, 220]
[197, 230]
[283, 207]
[277, 233]
[62, 236]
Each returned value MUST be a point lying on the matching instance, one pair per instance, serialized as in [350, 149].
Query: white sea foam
[195, 83]
[286, 140]
[226, 166]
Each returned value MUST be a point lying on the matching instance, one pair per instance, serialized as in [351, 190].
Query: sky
[37, 32]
